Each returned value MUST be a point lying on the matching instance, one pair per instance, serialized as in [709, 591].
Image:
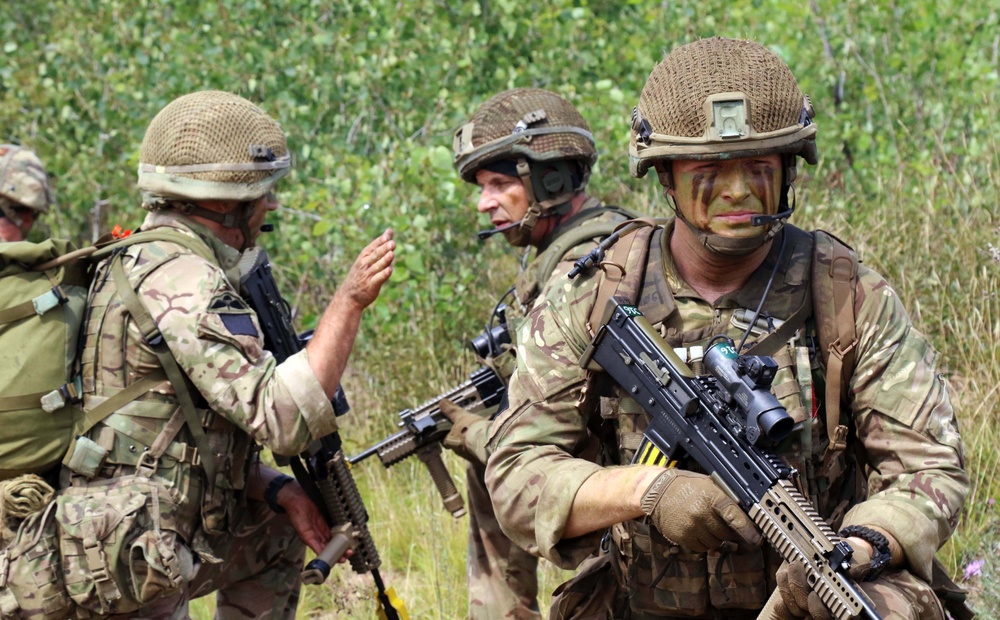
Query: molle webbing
[154, 339]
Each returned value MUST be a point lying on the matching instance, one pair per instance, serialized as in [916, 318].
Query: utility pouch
[677, 578]
[736, 580]
[86, 457]
[102, 527]
[31, 578]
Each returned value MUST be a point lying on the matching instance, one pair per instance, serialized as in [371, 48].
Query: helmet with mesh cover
[720, 99]
[210, 145]
[23, 182]
[543, 138]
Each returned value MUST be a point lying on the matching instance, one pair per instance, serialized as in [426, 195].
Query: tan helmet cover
[526, 123]
[23, 179]
[720, 98]
[211, 145]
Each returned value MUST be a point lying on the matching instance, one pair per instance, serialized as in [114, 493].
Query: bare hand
[306, 519]
[369, 272]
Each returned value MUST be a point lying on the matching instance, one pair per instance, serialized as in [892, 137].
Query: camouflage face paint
[722, 196]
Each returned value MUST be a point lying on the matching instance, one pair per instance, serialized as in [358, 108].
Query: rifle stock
[724, 421]
[322, 470]
[425, 427]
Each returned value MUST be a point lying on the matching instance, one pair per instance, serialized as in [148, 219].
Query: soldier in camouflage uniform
[722, 121]
[24, 191]
[530, 152]
[155, 510]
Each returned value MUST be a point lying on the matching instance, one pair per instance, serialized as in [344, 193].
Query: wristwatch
[881, 556]
[271, 492]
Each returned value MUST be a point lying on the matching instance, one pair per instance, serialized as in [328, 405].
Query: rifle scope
[746, 379]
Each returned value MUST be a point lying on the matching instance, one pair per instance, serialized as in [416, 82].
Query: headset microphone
[763, 220]
[267, 228]
[486, 234]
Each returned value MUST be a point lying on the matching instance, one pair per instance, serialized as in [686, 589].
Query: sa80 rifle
[724, 421]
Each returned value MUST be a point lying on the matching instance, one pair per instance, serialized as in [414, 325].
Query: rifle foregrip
[318, 569]
[430, 454]
[797, 532]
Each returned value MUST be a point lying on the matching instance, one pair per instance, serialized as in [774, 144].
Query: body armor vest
[114, 358]
[661, 577]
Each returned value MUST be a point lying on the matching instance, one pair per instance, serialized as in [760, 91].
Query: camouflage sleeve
[534, 468]
[216, 340]
[917, 482]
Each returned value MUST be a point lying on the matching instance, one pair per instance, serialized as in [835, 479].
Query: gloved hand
[467, 437]
[694, 513]
[798, 601]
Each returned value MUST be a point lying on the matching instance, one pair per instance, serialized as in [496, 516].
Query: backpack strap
[154, 339]
[627, 266]
[572, 233]
[838, 338]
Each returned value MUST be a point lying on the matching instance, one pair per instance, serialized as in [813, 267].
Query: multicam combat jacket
[541, 446]
[246, 397]
[546, 269]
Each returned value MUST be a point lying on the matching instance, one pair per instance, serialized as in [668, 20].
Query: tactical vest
[665, 578]
[150, 435]
[572, 240]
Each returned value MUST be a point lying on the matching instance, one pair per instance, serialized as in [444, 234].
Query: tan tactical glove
[467, 437]
[798, 601]
[694, 513]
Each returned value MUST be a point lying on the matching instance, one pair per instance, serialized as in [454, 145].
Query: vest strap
[151, 336]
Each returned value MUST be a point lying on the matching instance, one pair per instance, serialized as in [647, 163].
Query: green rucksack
[39, 322]
[41, 312]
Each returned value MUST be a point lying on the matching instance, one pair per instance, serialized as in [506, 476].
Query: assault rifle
[426, 426]
[322, 470]
[725, 420]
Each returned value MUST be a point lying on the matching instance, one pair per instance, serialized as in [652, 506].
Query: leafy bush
[370, 92]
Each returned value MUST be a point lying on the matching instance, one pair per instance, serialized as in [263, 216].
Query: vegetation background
[370, 93]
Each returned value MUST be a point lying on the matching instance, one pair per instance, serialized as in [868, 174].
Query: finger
[383, 261]
[817, 609]
[799, 595]
[740, 523]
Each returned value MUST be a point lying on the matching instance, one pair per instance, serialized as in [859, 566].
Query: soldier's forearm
[612, 495]
[333, 340]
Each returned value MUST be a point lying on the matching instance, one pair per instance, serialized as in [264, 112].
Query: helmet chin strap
[238, 218]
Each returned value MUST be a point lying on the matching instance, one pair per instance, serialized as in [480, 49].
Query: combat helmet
[23, 182]
[723, 98]
[544, 140]
[211, 145]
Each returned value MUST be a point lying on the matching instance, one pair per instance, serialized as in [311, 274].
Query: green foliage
[370, 92]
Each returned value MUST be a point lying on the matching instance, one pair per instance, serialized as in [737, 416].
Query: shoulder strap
[151, 336]
[573, 237]
[627, 263]
[835, 275]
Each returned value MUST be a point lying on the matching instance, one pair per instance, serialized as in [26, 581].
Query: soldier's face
[265, 204]
[721, 196]
[9, 231]
[502, 197]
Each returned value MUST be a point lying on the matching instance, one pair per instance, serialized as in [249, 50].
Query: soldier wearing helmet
[722, 122]
[530, 152]
[157, 508]
[24, 191]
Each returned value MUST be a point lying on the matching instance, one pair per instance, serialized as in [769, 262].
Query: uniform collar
[227, 257]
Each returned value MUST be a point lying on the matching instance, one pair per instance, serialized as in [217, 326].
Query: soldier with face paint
[163, 498]
[722, 122]
[25, 192]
